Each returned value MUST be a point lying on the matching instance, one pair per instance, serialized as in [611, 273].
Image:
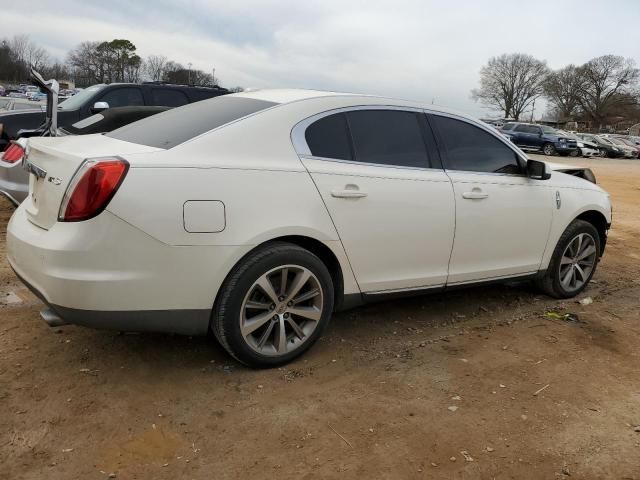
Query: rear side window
[165, 97]
[329, 138]
[176, 126]
[388, 137]
[469, 148]
[123, 97]
[508, 126]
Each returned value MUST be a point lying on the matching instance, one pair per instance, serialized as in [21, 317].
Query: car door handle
[349, 191]
[475, 194]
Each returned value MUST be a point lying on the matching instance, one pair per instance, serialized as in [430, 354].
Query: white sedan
[256, 215]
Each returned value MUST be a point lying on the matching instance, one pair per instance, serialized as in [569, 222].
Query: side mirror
[537, 170]
[99, 106]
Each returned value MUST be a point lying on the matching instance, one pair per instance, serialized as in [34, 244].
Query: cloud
[423, 49]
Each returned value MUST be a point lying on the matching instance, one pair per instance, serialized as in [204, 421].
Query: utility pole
[213, 76]
[189, 74]
[533, 109]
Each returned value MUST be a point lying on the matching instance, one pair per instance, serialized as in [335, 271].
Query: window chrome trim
[369, 164]
[302, 149]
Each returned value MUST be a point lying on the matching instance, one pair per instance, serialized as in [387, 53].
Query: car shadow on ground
[167, 352]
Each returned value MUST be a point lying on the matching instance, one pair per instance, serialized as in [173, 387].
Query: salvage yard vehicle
[585, 148]
[46, 122]
[256, 215]
[605, 147]
[549, 141]
[97, 98]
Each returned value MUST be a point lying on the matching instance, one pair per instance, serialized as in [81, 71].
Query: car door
[392, 204]
[526, 136]
[502, 216]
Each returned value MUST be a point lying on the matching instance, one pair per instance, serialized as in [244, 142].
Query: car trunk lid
[52, 163]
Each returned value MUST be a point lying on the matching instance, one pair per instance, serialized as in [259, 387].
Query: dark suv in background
[530, 136]
[97, 98]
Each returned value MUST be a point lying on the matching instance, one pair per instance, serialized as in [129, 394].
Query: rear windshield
[176, 126]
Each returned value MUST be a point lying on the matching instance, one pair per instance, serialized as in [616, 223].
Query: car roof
[284, 96]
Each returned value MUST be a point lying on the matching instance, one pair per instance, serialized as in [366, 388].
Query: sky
[424, 50]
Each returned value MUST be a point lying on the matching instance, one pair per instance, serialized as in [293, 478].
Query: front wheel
[603, 153]
[273, 306]
[575, 153]
[573, 262]
[548, 149]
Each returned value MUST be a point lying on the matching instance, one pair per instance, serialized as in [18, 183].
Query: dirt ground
[431, 387]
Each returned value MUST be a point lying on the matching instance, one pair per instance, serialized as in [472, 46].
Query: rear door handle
[349, 191]
[475, 194]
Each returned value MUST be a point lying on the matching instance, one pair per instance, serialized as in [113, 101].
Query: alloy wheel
[577, 262]
[548, 149]
[281, 310]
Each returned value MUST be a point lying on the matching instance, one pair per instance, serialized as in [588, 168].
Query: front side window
[469, 148]
[388, 137]
[123, 97]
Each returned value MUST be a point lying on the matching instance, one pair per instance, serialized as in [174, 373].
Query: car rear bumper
[14, 181]
[105, 273]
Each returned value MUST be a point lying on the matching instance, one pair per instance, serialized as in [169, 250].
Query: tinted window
[173, 127]
[168, 98]
[470, 148]
[329, 138]
[508, 126]
[121, 97]
[388, 137]
[527, 129]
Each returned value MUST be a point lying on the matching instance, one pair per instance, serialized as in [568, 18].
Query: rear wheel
[602, 152]
[548, 149]
[273, 306]
[574, 261]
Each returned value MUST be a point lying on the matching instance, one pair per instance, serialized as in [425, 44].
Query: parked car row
[552, 141]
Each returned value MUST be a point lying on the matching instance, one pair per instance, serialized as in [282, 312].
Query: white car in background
[585, 148]
[256, 215]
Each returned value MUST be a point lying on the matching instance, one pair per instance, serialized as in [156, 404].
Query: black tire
[549, 149]
[603, 153]
[550, 283]
[225, 321]
[575, 153]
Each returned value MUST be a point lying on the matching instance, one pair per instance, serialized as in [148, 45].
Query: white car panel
[368, 224]
[502, 234]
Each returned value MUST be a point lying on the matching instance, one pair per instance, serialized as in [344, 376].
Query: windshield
[80, 98]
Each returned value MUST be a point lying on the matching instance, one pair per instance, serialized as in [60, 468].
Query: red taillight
[13, 153]
[92, 187]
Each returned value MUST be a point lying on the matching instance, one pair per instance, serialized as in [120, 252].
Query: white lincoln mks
[256, 215]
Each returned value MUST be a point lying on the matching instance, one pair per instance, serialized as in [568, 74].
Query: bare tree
[511, 82]
[562, 88]
[19, 45]
[155, 66]
[608, 82]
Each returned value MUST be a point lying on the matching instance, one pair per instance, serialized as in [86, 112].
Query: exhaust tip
[52, 318]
